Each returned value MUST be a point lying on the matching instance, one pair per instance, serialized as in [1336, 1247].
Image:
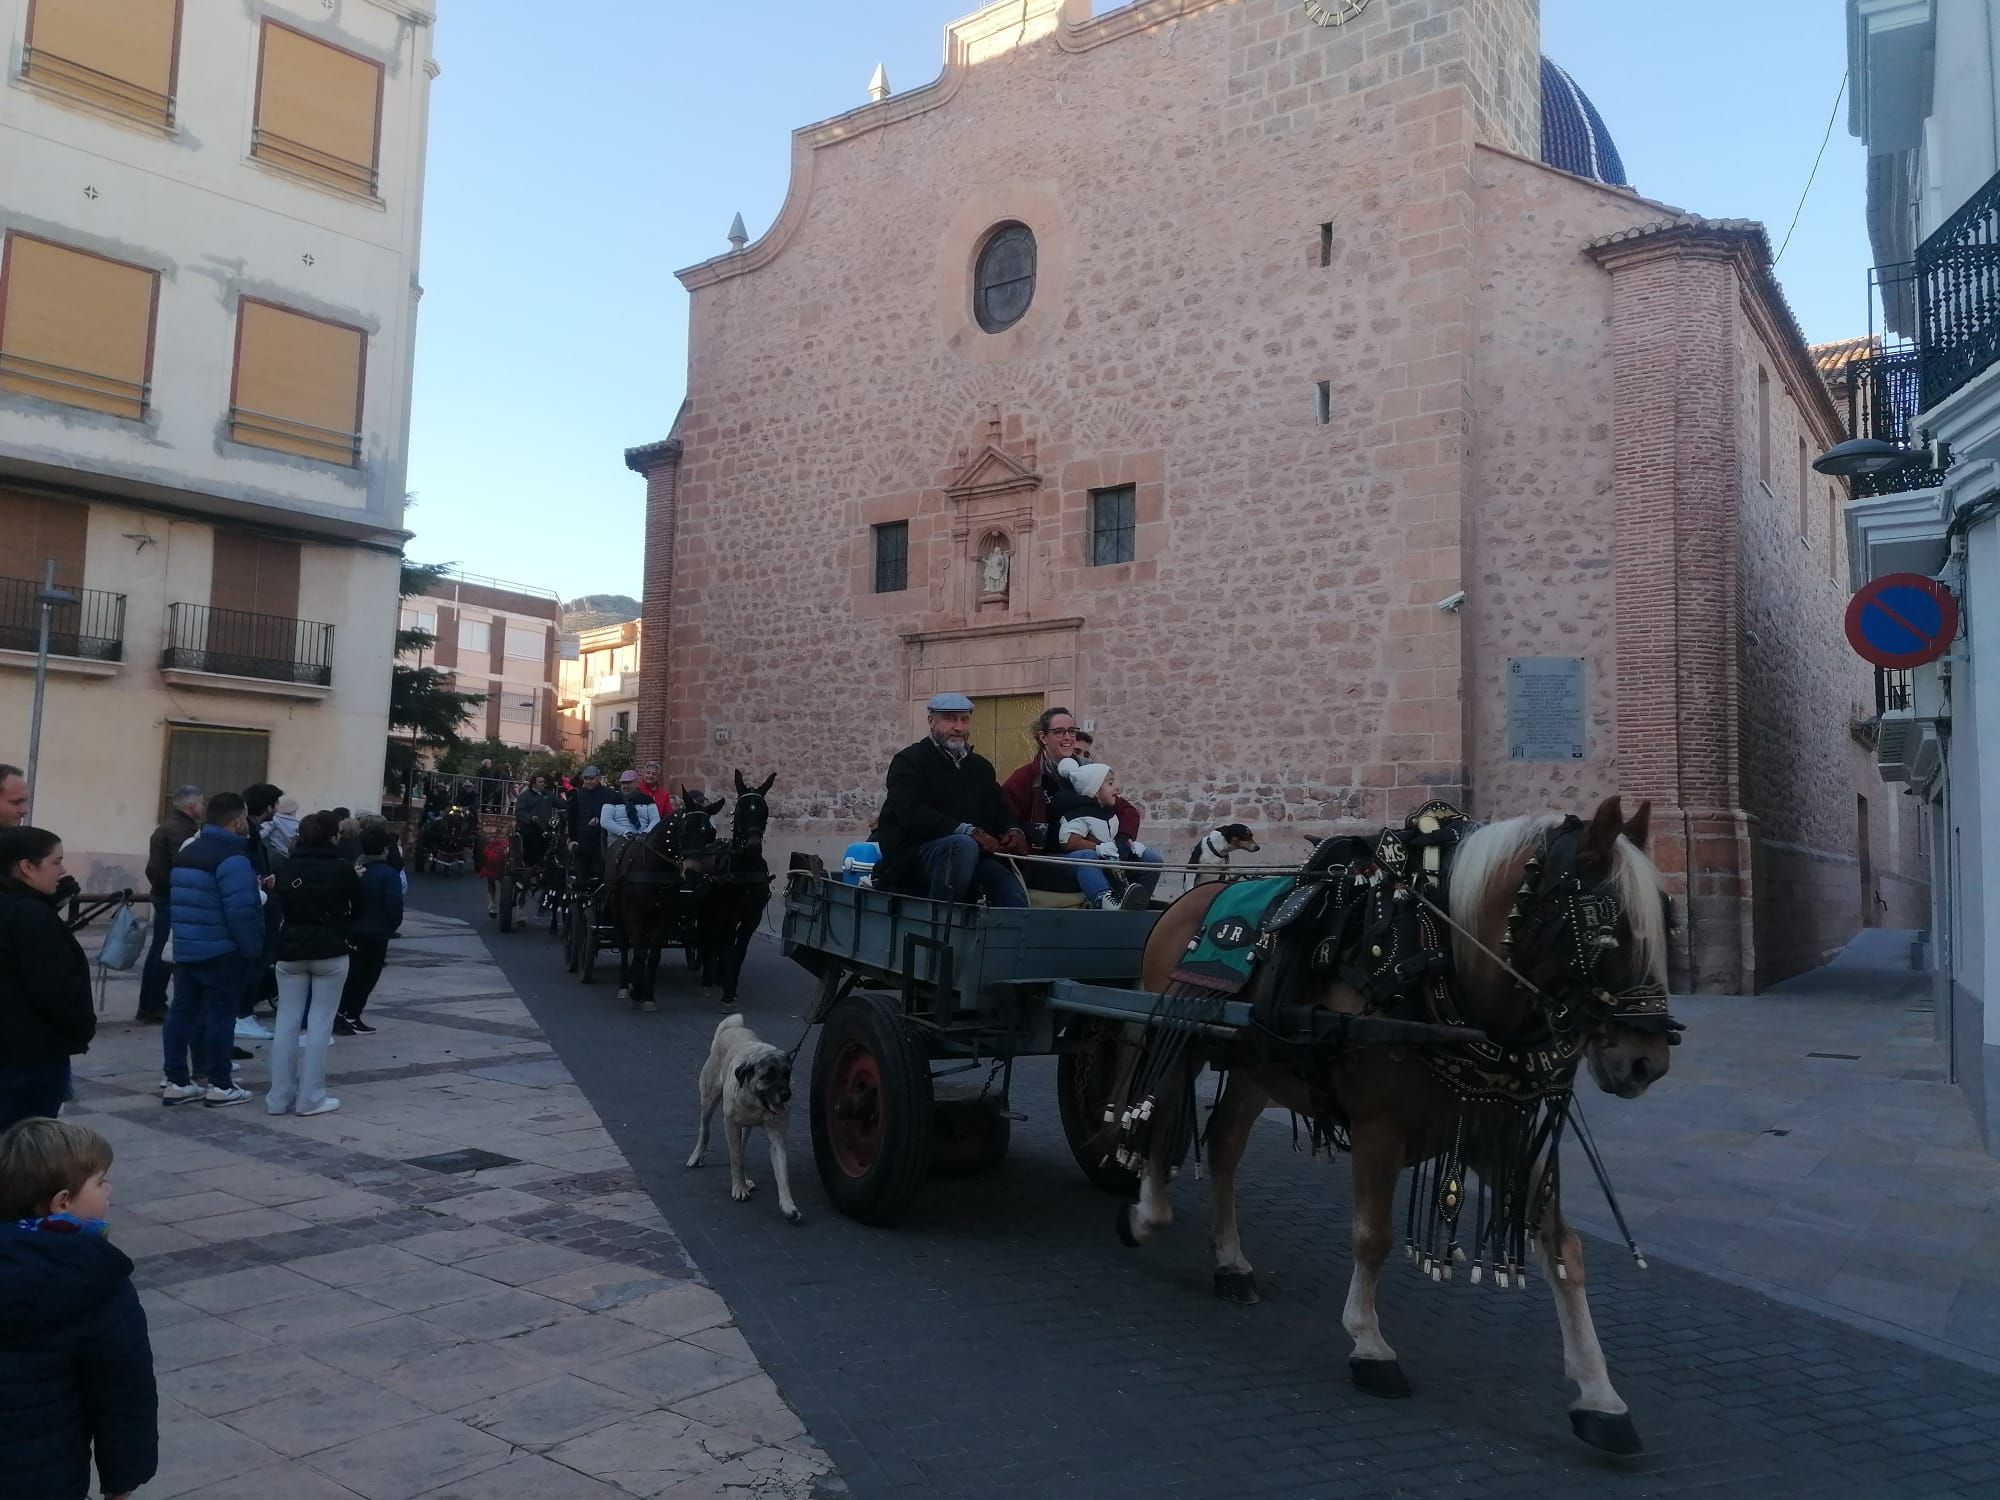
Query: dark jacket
[588, 803]
[533, 806]
[46, 1011]
[930, 796]
[213, 893]
[381, 910]
[320, 895]
[76, 1367]
[166, 843]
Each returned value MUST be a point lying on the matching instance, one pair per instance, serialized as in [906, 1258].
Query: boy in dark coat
[76, 1367]
[944, 822]
[380, 917]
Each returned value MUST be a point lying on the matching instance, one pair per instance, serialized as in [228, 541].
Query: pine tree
[422, 703]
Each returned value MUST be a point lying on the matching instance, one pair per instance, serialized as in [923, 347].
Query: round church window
[1003, 281]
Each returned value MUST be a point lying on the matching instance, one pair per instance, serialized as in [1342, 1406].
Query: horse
[736, 887]
[444, 840]
[649, 887]
[1559, 942]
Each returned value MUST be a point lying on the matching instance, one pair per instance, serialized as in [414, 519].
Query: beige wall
[104, 737]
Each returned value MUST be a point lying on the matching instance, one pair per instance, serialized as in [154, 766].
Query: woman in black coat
[46, 1012]
[319, 894]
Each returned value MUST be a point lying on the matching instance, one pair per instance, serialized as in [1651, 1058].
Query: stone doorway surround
[1020, 656]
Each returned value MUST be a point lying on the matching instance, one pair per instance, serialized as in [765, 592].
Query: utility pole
[49, 598]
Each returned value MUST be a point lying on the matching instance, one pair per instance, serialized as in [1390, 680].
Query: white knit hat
[1086, 777]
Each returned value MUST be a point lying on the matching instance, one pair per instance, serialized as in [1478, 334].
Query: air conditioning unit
[1896, 735]
[1929, 756]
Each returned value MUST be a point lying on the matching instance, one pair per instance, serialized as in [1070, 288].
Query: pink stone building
[1177, 365]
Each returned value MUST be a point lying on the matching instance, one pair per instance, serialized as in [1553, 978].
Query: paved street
[340, 1310]
[1002, 1343]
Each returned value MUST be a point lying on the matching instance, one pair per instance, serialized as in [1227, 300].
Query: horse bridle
[1556, 910]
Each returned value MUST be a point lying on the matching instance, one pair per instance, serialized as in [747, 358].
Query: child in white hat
[1089, 832]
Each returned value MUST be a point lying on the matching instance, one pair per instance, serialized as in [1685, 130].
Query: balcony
[1882, 402]
[234, 649]
[86, 638]
[1958, 296]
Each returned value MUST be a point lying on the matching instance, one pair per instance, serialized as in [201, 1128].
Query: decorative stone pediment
[992, 472]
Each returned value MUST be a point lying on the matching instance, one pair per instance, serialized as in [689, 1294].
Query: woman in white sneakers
[319, 896]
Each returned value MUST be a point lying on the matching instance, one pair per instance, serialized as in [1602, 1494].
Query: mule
[650, 890]
[736, 888]
[1577, 915]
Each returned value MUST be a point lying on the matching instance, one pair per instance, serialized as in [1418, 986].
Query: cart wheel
[574, 932]
[871, 1110]
[588, 944]
[1085, 1076]
[969, 1133]
[506, 903]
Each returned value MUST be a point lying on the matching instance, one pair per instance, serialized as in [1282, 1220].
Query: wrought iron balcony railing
[1958, 295]
[236, 643]
[1882, 402]
[93, 628]
[1892, 690]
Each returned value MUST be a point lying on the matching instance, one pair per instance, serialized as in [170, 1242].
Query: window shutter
[37, 529]
[216, 760]
[115, 54]
[298, 384]
[75, 327]
[318, 110]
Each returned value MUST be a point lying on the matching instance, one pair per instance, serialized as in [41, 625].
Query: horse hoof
[1126, 1236]
[1380, 1377]
[1237, 1286]
[1611, 1431]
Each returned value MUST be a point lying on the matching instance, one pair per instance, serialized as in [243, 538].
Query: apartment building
[500, 639]
[209, 228]
[598, 687]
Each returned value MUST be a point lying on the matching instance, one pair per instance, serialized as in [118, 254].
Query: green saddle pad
[1224, 954]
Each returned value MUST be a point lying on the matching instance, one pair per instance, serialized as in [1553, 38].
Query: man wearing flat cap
[944, 822]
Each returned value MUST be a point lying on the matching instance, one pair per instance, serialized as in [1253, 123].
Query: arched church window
[1003, 282]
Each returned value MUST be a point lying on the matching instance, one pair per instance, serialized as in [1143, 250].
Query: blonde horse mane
[1488, 855]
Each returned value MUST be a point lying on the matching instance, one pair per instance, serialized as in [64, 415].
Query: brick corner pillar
[660, 464]
[1676, 290]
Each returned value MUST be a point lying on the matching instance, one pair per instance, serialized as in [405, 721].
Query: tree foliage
[423, 705]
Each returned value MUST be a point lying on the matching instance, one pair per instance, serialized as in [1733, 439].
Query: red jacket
[662, 798]
[1027, 798]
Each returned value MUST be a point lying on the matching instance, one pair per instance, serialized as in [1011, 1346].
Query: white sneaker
[1109, 902]
[216, 1097]
[325, 1106]
[249, 1030]
[180, 1093]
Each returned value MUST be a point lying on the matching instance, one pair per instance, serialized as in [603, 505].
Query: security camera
[1451, 603]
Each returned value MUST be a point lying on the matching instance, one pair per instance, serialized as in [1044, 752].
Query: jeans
[370, 954]
[202, 1018]
[1094, 882]
[308, 995]
[158, 974]
[29, 1090]
[954, 868]
[1148, 879]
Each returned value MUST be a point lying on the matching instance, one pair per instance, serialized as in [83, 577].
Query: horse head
[1581, 915]
[753, 811]
[690, 832]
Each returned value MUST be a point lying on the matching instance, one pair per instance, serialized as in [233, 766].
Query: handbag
[125, 939]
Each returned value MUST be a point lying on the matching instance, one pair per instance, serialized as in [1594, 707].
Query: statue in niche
[996, 561]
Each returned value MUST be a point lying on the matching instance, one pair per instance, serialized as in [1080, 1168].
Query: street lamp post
[49, 598]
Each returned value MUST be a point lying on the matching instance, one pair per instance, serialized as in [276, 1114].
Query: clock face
[1334, 12]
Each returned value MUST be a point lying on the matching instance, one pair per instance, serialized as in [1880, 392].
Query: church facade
[1298, 395]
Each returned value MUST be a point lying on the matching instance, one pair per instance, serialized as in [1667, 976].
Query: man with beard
[944, 823]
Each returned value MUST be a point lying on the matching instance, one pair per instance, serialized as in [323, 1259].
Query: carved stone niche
[992, 503]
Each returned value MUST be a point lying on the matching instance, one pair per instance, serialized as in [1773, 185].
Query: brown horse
[1587, 940]
[650, 889]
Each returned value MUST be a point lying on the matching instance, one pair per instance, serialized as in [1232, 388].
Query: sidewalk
[1806, 1144]
[451, 1288]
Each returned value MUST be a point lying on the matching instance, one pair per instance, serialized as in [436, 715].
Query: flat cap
[590, 771]
[949, 703]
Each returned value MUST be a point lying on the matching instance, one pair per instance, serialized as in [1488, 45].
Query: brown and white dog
[752, 1082]
[1209, 859]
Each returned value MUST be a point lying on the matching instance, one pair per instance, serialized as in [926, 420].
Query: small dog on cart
[752, 1081]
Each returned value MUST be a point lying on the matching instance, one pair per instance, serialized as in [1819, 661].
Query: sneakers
[250, 1030]
[1109, 902]
[1135, 898]
[216, 1098]
[342, 1026]
[180, 1093]
[360, 1027]
[325, 1106]
[150, 1018]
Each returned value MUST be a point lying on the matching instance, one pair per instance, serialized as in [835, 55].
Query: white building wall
[1960, 149]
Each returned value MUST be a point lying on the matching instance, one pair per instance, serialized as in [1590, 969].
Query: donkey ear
[768, 782]
[1640, 825]
[741, 788]
[1605, 826]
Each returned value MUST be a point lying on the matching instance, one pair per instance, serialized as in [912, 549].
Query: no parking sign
[1902, 620]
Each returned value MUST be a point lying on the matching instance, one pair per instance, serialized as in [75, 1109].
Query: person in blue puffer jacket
[218, 917]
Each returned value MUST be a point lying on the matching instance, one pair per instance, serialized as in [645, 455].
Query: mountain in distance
[592, 610]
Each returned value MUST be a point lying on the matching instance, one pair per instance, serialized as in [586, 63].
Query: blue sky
[571, 173]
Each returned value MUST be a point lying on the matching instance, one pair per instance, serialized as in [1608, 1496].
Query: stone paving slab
[330, 1320]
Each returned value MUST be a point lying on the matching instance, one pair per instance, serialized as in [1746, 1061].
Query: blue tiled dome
[1574, 137]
